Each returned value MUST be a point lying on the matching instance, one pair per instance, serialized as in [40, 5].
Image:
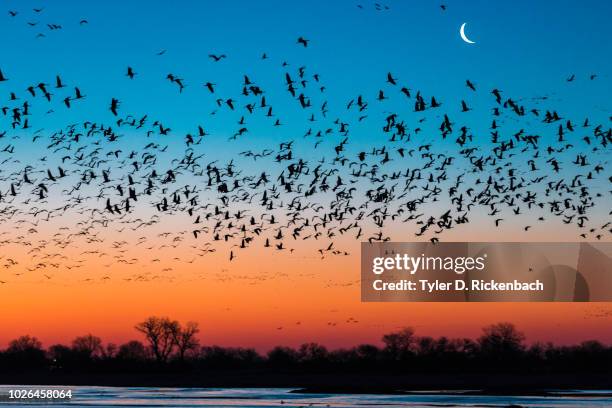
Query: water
[280, 397]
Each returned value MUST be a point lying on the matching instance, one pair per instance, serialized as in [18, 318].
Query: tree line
[168, 345]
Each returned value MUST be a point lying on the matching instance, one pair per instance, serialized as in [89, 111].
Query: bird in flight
[217, 58]
[281, 162]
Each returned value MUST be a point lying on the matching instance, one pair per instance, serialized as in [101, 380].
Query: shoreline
[559, 385]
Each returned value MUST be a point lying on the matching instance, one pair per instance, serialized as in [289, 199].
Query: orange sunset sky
[263, 298]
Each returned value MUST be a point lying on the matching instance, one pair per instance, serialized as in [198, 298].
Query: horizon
[200, 346]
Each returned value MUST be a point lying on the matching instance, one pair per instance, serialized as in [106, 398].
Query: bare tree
[501, 340]
[400, 343]
[132, 350]
[24, 343]
[89, 345]
[312, 353]
[27, 352]
[159, 333]
[185, 338]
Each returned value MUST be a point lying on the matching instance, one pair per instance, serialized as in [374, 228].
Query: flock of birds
[43, 28]
[426, 170]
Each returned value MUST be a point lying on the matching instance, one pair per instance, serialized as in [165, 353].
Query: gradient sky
[525, 48]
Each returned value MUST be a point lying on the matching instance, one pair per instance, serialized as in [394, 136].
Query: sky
[526, 49]
[523, 47]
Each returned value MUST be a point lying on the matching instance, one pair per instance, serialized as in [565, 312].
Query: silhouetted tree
[89, 346]
[399, 345]
[467, 347]
[184, 338]
[312, 354]
[501, 341]
[132, 350]
[500, 349]
[367, 353]
[25, 352]
[426, 346]
[159, 332]
[24, 344]
[229, 357]
[282, 357]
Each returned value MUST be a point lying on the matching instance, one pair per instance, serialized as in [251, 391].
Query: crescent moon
[463, 36]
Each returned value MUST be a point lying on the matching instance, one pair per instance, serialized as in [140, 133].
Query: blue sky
[526, 49]
[523, 46]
